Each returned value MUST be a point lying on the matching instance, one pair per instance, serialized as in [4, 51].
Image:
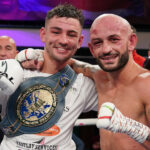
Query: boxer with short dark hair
[62, 37]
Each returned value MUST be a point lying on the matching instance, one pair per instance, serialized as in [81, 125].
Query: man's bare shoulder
[100, 75]
[143, 77]
[142, 85]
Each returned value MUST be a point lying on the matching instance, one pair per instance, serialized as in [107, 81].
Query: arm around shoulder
[83, 67]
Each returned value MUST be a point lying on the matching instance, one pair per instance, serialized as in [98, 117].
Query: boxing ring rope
[86, 122]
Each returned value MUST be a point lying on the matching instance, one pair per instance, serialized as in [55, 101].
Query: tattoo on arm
[85, 68]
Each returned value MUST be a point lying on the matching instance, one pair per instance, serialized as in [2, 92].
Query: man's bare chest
[126, 99]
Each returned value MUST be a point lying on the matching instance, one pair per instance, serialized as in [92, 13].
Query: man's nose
[2, 52]
[106, 48]
[63, 39]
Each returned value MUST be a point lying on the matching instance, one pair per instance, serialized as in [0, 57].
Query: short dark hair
[66, 10]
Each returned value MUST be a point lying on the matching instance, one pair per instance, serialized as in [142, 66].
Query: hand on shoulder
[31, 58]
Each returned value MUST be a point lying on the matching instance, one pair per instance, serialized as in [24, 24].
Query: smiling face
[62, 37]
[110, 42]
[7, 48]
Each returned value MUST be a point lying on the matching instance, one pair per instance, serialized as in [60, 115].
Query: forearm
[112, 119]
[83, 67]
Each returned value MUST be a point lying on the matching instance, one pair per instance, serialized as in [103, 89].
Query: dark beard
[122, 62]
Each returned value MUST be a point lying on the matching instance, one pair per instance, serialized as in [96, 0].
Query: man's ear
[132, 42]
[42, 34]
[91, 49]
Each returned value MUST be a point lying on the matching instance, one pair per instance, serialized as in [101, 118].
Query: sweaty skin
[120, 80]
[123, 83]
[132, 100]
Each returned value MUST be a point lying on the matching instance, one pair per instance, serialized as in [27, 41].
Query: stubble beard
[121, 63]
[55, 58]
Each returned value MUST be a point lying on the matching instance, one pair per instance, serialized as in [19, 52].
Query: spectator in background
[8, 48]
[138, 58]
[142, 61]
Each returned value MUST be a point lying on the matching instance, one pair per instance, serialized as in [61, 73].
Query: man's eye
[55, 32]
[114, 40]
[72, 35]
[9, 48]
[97, 43]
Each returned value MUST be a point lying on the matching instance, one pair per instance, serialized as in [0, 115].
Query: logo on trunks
[36, 105]
[3, 72]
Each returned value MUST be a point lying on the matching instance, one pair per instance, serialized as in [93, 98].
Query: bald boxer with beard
[122, 85]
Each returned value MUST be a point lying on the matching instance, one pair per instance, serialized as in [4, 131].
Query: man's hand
[110, 118]
[32, 64]
[31, 58]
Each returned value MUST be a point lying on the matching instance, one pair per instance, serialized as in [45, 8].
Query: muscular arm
[83, 67]
[143, 86]
[33, 59]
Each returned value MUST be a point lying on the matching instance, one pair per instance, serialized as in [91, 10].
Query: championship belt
[37, 104]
